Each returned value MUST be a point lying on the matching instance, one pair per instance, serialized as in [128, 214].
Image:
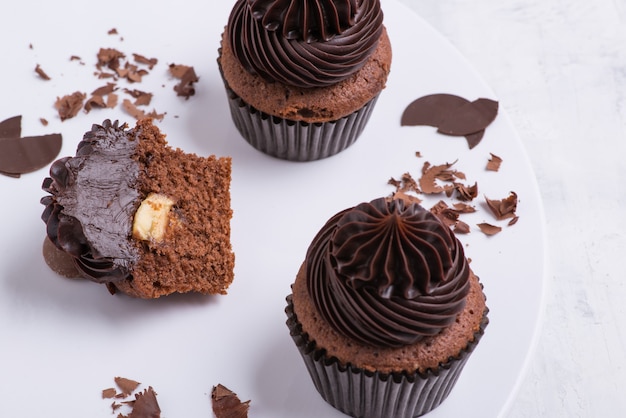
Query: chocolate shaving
[131, 72]
[494, 163]
[150, 62]
[504, 208]
[127, 386]
[187, 77]
[461, 228]
[405, 184]
[513, 221]
[112, 100]
[132, 110]
[112, 31]
[94, 101]
[145, 405]
[108, 393]
[68, 106]
[430, 175]
[489, 229]
[466, 193]
[141, 97]
[43, 121]
[447, 216]
[109, 58]
[452, 115]
[41, 73]
[464, 208]
[226, 404]
[104, 90]
[407, 197]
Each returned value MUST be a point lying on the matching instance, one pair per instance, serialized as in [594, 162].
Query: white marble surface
[559, 70]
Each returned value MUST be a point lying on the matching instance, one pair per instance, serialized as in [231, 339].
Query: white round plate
[63, 341]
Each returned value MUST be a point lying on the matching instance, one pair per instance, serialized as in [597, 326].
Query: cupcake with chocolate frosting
[139, 216]
[385, 310]
[303, 77]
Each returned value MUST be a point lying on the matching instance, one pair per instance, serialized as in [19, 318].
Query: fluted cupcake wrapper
[296, 140]
[361, 393]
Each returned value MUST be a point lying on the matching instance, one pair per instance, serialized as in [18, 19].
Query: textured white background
[559, 69]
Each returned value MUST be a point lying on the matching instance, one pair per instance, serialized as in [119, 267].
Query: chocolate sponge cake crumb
[195, 254]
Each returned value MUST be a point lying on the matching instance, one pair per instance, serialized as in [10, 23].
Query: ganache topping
[387, 273]
[91, 204]
[304, 43]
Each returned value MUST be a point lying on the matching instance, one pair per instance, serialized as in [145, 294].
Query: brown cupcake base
[296, 140]
[361, 393]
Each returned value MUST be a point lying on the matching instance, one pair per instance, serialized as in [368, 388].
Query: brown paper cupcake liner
[296, 140]
[361, 393]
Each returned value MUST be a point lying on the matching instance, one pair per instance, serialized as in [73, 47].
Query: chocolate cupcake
[302, 78]
[385, 310]
[139, 216]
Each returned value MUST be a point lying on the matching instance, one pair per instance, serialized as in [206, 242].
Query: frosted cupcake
[302, 78]
[385, 310]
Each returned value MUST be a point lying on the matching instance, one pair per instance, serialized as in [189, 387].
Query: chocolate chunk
[226, 404]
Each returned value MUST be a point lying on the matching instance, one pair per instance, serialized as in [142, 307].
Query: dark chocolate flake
[27, 154]
[469, 118]
[11, 127]
[431, 110]
[452, 115]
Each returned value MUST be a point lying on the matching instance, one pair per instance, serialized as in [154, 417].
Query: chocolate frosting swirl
[387, 273]
[304, 43]
[90, 208]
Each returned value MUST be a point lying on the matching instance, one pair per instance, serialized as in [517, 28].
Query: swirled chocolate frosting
[387, 273]
[92, 201]
[304, 43]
